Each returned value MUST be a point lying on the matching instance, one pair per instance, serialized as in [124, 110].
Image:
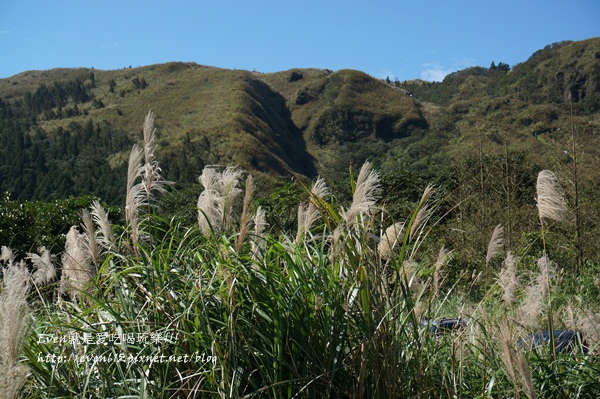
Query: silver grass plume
[550, 200]
[393, 235]
[76, 269]
[309, 213]
[13, 327]
[215, 203]
[45, 270]
[229, 180]
[530, 311]
[150, 171]
[302, 210]
[508, 279]
[106, 238]
[415, 284]
[90, 240]
[363, 199]
[536, 293]
[210, 211]
[423, 214]
[260, 222]
[210, 202]
[437, 270]
[135, 197]
[6, 254]
[495, 244]
[363, 205]
[210, 179]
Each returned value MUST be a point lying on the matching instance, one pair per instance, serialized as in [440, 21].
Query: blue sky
[404, 39]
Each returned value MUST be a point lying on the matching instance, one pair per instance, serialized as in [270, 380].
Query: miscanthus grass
[341, 307]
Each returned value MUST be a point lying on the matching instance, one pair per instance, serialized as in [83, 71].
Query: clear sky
[404, 39]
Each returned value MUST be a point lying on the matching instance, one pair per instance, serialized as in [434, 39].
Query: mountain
[68, 131]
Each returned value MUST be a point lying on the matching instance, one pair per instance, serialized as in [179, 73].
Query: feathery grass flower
[392, 236]
[76, 268]
[309, 213]
[215, 203]
[100, 217]
[13, 327]
[508, 279]
[550, 200]
[45, 269]
[363, 199]
[495, 244]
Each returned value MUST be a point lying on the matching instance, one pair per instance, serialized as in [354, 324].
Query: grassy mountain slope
[263, 122]
[527, 108]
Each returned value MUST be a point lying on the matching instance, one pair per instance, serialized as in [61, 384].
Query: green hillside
[272, 123]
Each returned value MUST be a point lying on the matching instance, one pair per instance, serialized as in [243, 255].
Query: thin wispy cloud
[5, 32]
[434, 72]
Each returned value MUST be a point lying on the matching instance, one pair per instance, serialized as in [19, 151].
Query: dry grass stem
[505, 343]
[525, 375]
